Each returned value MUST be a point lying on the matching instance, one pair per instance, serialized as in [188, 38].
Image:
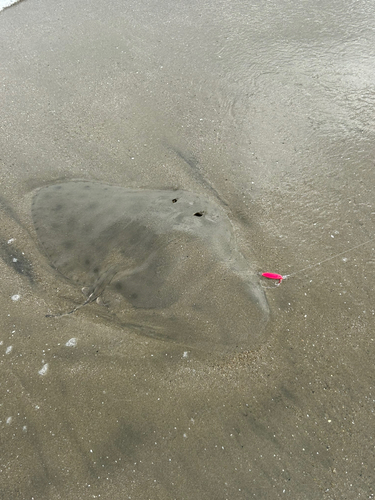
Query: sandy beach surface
[266, 109]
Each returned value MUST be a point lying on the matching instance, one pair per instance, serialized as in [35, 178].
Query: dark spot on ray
[118, 285]
[58, 207]
[96, 270]
[58, 187]
[87, 262]
[72, 222]
[68, 244]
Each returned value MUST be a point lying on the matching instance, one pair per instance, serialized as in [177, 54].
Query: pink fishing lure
[273, 276]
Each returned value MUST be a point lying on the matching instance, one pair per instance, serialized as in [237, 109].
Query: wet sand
[267, 108]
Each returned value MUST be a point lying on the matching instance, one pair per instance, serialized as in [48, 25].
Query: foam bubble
[3, 5]
[43, 370]
[71, 342]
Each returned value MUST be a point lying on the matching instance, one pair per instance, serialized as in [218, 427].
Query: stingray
[163, 259]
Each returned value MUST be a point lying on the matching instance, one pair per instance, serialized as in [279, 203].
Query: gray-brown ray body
[165, 259]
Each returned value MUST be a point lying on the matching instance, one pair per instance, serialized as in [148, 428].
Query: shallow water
[265, 108]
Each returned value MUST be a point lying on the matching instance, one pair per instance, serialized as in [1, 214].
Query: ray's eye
[174, 200]
[198, 214]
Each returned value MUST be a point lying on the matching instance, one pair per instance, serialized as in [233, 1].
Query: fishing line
[280, 277]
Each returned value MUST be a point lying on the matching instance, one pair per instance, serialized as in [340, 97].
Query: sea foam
[6, 3]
